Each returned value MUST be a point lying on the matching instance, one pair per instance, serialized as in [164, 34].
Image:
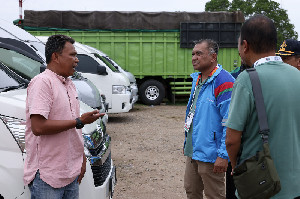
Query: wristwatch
[79, 124]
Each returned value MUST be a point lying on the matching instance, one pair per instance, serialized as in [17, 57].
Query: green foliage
[217, 5]
[269, 8]
[247, 7]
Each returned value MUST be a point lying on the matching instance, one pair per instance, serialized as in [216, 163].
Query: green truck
[155, 47]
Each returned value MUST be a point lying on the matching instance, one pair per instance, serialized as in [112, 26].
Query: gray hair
[212, 46]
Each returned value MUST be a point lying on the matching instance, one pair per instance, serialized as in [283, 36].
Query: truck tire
[152, 92]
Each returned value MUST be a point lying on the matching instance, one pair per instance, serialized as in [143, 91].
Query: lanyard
[190, 116]
[267, 59]
[197, 83]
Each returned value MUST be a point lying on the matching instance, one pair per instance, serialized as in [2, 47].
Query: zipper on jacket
[214, 135]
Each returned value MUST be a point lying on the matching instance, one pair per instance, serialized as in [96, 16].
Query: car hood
[129, 75]
[13, 103]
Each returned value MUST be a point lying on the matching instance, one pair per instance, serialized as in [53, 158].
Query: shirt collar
[59, 77]
[266, 60]
[210, 74]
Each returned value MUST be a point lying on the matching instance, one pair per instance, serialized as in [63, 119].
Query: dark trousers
[230, 187]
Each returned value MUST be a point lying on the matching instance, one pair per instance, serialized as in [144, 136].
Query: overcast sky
[9, 9]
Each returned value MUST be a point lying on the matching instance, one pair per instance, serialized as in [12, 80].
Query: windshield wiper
[12, 87]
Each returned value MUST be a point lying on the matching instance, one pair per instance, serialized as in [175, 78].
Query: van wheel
[152, 92]
[1, 197]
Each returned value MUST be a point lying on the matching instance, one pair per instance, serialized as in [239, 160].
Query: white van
[129, 75]
[114, 84]
[99, 179]
[111, 82]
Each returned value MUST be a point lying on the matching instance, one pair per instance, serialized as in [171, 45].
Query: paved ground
[147, 151]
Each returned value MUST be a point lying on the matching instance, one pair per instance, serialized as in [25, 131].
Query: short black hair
[212, 45]
[56, 43]
[260, 33]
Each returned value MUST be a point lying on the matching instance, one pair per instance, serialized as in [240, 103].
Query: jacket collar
[195, 75]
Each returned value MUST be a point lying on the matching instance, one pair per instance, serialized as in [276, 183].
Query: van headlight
[118, 89]
[17, 129]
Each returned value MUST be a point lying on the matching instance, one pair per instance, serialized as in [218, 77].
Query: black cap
[289, 47]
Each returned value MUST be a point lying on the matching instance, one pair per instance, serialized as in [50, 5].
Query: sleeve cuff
[42, 113]
[223, 156]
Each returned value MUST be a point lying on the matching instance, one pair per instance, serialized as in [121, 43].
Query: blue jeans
[41, 190]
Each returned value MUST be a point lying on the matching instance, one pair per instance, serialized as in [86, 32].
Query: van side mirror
[101, 70]
[42, 68]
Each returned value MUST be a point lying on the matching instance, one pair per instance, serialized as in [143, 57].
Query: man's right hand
[91, 117]
[42, 126]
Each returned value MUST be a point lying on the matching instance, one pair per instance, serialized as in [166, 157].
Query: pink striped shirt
[58, 157]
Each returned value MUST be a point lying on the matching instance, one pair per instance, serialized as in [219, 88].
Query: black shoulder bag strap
[259, 104]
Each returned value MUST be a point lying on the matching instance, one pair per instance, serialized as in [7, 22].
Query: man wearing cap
[290, 52]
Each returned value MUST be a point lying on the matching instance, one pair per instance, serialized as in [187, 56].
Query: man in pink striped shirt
[55, 162]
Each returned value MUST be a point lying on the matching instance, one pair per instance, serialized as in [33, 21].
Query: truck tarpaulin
[110, 20]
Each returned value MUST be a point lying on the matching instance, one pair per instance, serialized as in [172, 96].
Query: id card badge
[188, 122]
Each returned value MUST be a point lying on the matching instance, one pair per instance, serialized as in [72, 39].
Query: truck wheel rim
[152, 92]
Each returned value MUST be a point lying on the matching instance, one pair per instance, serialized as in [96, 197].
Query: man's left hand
[83, 169]
[220, 165]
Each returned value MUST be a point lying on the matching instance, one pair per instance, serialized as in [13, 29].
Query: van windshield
[112, 62]
[109, 64]
[20, 64]
[6, 80]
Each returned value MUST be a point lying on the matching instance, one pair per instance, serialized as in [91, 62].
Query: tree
[217, 5]
[269, 8]
[247, 7]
